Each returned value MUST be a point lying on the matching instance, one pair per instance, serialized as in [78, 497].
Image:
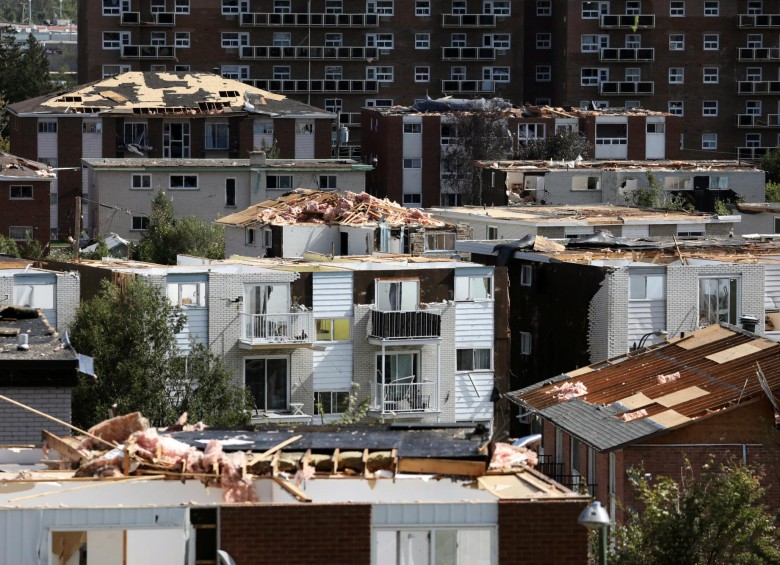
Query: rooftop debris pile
[342, 207]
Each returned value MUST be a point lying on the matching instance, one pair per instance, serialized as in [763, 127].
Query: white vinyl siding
[636, 231]
[332, 298]
[333, 367]
[304, 139]
[472, 396]
[646, 315]
[332, 295]
[772, 296]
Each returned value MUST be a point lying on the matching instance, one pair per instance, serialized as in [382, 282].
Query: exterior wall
[298, 239]
[327, 533]
[19, 427]
[752, 222]
[34, 212]
[525, 534]
[608, 319]
[68, 289]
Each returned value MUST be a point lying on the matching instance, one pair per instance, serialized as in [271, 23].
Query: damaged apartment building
[701, 184]
[414, 338]
[337, 223]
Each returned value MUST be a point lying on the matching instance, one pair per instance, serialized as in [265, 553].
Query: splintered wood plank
[636, 401]
[684, 395]
[669, 418]
[335, 460]
[442, 466]
[292, 489]
[580, 371]
[65, 446]
[735, 352]
[704, 336]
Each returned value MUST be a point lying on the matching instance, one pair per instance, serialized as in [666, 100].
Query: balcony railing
[148, 52]
[468, 20]
[628, 21]
[576, 482]
[475, 86]
[758, 87]
[405, 395]
[130, 18]
[628, 54]
[637, 88]
[304, 52]
[396, 325]
[266, 329]
[259, 19]
[749, 54]
[468, 54]
[759, 20]
[315, 85]
[752, 153]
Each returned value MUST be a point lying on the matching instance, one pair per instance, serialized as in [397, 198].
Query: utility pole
[77, 227]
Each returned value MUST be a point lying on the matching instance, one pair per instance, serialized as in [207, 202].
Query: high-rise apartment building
[341, 55]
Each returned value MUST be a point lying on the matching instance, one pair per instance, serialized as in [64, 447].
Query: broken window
[440, 241]
[718, 300]
[474, 359]
[397, 295]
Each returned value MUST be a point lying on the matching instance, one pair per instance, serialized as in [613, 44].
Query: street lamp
[657, 333]
[595, 517]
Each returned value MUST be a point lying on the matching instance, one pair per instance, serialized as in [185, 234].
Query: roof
[333, 207]
[667, 386]
[286, 164]
[15, 168]
[634, 166]
[167, 93]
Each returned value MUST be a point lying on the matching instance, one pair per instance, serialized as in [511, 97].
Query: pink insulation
[162, 449]
[507, 455]
[569, 390]
[628, 416]
[663, 379]
[235, 486]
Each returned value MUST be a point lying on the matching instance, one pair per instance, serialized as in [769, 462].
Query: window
[230, 7]
[111, 7]
[21, 192]
[412, 163]
[593, 76]
[279, 182]
[334, 40]
[754, 74]
[527, 132]
[333, 6]
[334, 72]
[458, 40]
[497, 40]
[474, 359]
[712, 8]
[647, 287]
[676, 75]
[755, 41]
[332, 402]
[187, 293]
[422, 74]
[282, 7]
[422, 40]
[334, 105]
[710, 75]
[217, 135]
[249, 236]
[655, 127]
[115, 39]
[282, 72]
[718, 300]
[139, 223]
[396, 378]
[755, 7]
[633, 74]
[544, 41]
[497, 74]
[454, 546]
[413, 128]
[458, 73]
[593, 10]
[676, 107]
[633, 7]
[47, 127]
[328, 182]
[281, 39]
[752, 140]
[379, 40]
[156, 6]
[593, 43]
[478, 287]
[633, 41]
[753, 107]
[91, 127]
[497, 7]
[412, 199]
[526, 275]
[234, 39]
[711, 41]
[381, 7]
[135, 134]
[709, 141]
[677, 8]
[396, 295]
[543, 73]
[583, 182]
[267, 378]
[20, 233]
[230, 193]
[333, 329]
[459, 7]
[141, 181]
[491, 233]
[235, 72]
[446, 199]
[439, 241]
[189, 182]
[182, 39]
[380, 74]
[544, 7]
[422, 8]
[181, 6]
[677, 42]
[113, 70]
[525, 343]
[176, 140]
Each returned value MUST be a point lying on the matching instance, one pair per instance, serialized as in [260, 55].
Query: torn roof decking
[16, 168]
[717, 367]
[527, 166]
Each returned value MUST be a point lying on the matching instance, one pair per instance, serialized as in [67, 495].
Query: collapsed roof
[15, 168]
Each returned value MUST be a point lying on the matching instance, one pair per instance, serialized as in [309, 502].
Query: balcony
[554, 470]
[628, 21]
[351, 119]
[264, 19]
[130, 18]
[759, 20]
[634, 88]
[468, 54]
[315, 85]
[148, 52]
[164, 18]
[758, 121]
[405, 326]
[467, 86]
[262, 52]
[294, 329]
[628, 54]
[748, 87]
[758, 54]
[468, 20]
[752, 153]
[405, 395]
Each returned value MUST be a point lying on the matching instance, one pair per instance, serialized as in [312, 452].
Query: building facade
[26, 190]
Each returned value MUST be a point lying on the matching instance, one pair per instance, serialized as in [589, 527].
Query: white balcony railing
[262, 329]
[405, 395]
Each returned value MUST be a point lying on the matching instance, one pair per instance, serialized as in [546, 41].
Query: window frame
[736, 302]
[220, 142]
[333, 332]
[185, 183]
[677, 9]
[711, 41]
[277, 178]
[145, 181]
[143, 223]
[22, 188]
[266, 358]
[475, 357]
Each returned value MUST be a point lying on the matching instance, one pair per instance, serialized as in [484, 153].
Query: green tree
[713, 517]
[770, 164]
[168, 236]
[129, 331]
[8, 247]
[562, 146]
[773, 192]
[654, 196]
[100, 251]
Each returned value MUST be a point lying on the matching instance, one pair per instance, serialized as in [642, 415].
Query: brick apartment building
[25, 190]
[338, 55]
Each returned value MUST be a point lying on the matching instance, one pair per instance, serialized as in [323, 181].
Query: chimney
[749, 323]
[22, 343]
[257, 158]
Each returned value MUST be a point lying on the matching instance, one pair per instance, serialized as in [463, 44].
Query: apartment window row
[677, 8]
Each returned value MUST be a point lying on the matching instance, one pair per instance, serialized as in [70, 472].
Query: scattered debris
[628, 416]
[663, 379]
[569, 390]
[115, 430]
[507, 455]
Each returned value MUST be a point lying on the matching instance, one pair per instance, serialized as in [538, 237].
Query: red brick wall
[284, 134]
[301, 534]
[538, 533]
[24, 136]
[33, 212]
[637, 138]
[323, 131]
[431, 155]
